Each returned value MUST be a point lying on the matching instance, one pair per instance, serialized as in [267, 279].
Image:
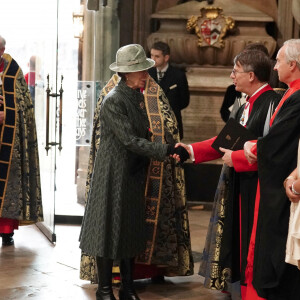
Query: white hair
[2, 42]
[292, 51]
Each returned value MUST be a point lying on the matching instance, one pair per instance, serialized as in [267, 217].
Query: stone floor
[35, 269]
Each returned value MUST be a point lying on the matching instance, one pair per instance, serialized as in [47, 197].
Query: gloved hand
[183, 154]
[170, 150]
[181, 151]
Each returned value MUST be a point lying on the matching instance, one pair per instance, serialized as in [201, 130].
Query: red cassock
[8, 225]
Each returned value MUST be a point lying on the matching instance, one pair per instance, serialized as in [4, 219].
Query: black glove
[170, 150]
[183, 154]
[181, 151]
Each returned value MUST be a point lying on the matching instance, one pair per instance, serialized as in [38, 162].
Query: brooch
[142, 105]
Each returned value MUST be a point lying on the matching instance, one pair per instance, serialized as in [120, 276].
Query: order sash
[155, 170]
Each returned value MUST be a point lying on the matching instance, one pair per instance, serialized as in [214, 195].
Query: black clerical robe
[277, 156]
[221, 263]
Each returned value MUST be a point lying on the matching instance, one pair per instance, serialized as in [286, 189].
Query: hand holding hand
[288, 189]
[186, 147]
[251, 157]
[179, 152]
[182, 153]
[227, 156]
[176, 155]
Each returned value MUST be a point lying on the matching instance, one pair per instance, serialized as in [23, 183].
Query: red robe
[8, 225]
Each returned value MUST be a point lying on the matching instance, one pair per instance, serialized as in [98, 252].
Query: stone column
[100, 44]
[285, 21]
[142, 20]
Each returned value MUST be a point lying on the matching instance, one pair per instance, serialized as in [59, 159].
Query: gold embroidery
[155, 171]
[9, 122]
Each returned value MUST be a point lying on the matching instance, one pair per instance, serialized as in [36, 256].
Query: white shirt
[162, 71]
[292, 254]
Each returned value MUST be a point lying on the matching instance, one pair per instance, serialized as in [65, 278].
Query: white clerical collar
[263, 86]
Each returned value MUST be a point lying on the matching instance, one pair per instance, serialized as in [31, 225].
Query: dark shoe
[127, 291]
[159, 279]
[105, 293]
[7, 239]
[104, 267]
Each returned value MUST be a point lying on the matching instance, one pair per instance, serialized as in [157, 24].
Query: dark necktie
[160, 75]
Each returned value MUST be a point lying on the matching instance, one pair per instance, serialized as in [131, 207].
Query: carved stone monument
[205, 39]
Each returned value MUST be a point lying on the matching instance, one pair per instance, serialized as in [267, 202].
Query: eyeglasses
[234, 71]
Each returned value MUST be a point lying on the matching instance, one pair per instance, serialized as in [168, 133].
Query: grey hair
[292, 51]
[2, 42]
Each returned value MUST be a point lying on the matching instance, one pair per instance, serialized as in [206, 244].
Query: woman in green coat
[113, 226]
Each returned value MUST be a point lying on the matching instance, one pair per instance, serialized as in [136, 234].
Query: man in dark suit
[171, 79]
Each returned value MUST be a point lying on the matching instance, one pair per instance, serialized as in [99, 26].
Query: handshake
[180, 152]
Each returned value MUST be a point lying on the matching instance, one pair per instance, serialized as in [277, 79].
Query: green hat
[131, 58]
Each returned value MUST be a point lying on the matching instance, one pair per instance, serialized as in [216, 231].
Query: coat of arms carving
[210, 27]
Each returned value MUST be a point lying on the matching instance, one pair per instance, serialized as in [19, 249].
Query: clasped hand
[180, 152]
[251, 157]
[288, 189]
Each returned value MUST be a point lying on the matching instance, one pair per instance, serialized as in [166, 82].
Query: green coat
[114, 221]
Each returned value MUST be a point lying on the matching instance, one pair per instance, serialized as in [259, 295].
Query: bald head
[292, 51]
[2, 42]
[288, 61]
[2, 45]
